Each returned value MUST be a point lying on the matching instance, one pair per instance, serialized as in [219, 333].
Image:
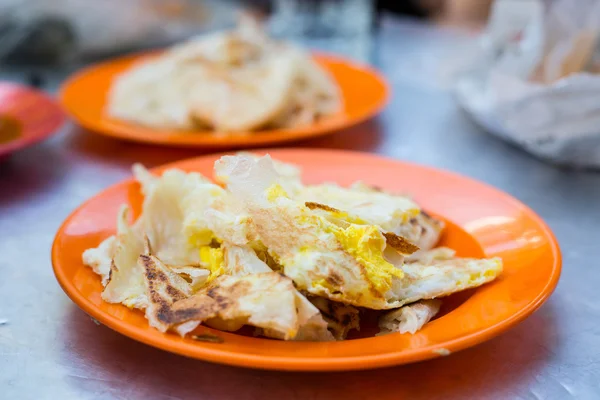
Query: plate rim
[203, 141]
[21, 143]
[392, 358]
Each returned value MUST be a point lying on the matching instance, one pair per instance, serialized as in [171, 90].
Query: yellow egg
[324, 284]
[200, 237]
[275, 191]
[348, 218]
[366, 243]
[212, 258]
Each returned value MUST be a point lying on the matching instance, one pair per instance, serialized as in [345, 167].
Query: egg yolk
[200, 238]
[348, 218]
[324, 284]
[366, 243]
[275, 191]
[212, 258]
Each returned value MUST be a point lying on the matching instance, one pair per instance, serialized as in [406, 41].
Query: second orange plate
[481, 221]
[84, 95]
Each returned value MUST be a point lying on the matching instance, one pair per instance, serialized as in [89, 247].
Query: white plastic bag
[534, 82]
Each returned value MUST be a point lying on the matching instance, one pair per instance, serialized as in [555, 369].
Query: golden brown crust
[266, 224]
[211, 302]
[400, 244]
[334, 279]
[313, 206]
[113, 268]
[341, 318]
[160, 290]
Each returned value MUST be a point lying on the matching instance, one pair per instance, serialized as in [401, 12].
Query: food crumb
[442, 351]
[94, 320]
[207, 337]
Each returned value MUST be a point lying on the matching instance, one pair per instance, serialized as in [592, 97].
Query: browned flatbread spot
[399, 243]
[341, 318]
[212, 301]
[266, 224]
[334, 279]
[113, 268]
[154, 274]
[160, 289]
[314, 206]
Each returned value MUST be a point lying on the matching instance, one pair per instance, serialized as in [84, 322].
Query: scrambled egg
[212, 259]
[200, 237]
[275, 191]
[366, 244]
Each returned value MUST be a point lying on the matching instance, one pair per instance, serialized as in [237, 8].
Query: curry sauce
[10, 129]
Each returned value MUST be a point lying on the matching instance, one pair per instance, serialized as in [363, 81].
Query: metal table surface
[49, 349]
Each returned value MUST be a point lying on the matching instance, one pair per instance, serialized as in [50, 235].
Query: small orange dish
[481, 221]
[364, 93]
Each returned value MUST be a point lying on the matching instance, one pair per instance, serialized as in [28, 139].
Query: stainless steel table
[49, 349]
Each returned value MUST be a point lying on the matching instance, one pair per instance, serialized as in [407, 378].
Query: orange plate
[364, 93]
[481, 220]
[36, 115]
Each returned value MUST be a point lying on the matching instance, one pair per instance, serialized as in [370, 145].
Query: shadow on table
[27, 172]
[121, 152]
[363, 137]
[98, 360]
[366, 136]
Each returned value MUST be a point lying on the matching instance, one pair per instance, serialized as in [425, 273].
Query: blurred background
[41, 33]
[503, 61]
